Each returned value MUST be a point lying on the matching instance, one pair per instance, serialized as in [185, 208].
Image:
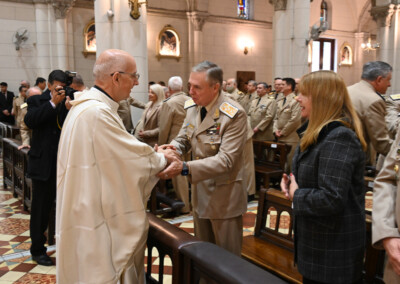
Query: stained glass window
[243, 9]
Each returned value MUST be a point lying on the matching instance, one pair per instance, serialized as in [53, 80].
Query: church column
[123, 32]
[196, 22]
[387, 18]
[290, 29]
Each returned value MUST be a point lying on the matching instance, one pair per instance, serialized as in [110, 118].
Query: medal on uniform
[396, 171]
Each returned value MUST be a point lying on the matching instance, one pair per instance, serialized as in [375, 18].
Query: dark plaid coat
[329, 206]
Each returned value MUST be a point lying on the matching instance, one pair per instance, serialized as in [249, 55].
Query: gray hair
[265, 85]
[213, 71]
[29, 91]
[252, 82]
[372, 70]
[175, 83]
[78, 80]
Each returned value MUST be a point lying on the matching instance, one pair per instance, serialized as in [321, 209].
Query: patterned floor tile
[13, 226]
[36, 278]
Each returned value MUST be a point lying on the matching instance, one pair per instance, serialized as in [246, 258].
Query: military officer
[124, 111]
[246, 99]
[215, 129]
[288, 119]
[277, 93]
[26, 132]
[262, 113]
[231, 88]
[18, 101]
[170, 120]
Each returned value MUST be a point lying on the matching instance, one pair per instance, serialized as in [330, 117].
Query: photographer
[45, 116]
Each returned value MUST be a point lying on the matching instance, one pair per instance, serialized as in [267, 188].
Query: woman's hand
[293, 186]
[285, 182]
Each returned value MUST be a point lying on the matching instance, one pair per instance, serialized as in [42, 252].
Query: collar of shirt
[104, 92]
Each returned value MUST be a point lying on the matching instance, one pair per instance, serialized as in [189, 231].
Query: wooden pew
[271, 248]
[8, 163]
[212, 264]
[27, 183]
[269, 160]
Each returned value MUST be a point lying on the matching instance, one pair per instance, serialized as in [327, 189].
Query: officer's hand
[167, 146]
[58, 95]
[255, 130]
[6, 112]
[392, 247]
[174, 169]
[278, 133]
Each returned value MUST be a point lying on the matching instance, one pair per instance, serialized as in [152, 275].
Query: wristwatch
[185, 169]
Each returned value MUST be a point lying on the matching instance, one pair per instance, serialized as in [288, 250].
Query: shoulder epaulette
[271, 97]
[228, 109]
[395, 97]
[24, 105]
[189, 103]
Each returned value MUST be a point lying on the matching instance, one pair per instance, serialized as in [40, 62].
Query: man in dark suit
[45, 116]
[6, 104]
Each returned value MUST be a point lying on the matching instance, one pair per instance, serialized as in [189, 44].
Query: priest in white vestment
[104, 178]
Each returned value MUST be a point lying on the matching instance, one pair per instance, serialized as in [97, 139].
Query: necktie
[203, 113]
[284, 101]
[258, 101]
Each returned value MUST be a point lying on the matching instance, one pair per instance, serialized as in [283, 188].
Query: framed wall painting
[346, 55]
[168, 43]
[89, 37]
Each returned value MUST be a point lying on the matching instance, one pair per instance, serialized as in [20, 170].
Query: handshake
[174, 162]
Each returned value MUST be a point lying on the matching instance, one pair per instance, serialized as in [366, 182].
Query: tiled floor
[16, 265]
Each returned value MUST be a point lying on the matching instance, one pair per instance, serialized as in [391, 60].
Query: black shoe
[43, 259]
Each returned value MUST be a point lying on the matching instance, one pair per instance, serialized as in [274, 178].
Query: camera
[69, 92]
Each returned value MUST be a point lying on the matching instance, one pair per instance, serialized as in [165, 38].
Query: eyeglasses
[133, 75]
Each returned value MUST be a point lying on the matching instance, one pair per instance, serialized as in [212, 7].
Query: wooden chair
[269, 160]
[160, 203]
[269, 247]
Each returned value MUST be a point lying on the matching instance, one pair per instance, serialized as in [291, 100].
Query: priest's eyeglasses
[133, 75]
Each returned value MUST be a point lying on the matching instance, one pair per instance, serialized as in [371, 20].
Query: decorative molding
[279, 5]
[383, 14]
[61, 7]
[210, 19]
[198, 19]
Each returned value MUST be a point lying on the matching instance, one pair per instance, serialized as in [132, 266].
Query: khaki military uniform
[218, 197]
[17, 103]
[371, 109]
[261, 115]
[150, 123]
[170, 120]
[25, 131]
[287, 120]
[249, 172]
[236, 94]
[393, 114]
[386, 205]
[124, 111]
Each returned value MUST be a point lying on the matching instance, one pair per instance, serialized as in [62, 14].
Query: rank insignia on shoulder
[24, 105]
[271, 97]
[228, 109]
[189, 103]
[395, 97]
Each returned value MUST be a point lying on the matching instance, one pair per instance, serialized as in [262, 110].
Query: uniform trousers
[226, 233]
[249, 177]
[43, 199]
[181, 187]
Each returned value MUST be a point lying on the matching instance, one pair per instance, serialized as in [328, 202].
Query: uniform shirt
[261, 115]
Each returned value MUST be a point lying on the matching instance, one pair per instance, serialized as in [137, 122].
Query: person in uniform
[288, 119]
[215, 130]
[386, 212]
[18, 101]
[370, 105]
[261, 114]
[277, 93]
[124, 111]
[170, 120]
[231, 88]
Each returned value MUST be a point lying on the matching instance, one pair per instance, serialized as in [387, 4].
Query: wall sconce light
[135, 5]
[246, 45]
[369, 45]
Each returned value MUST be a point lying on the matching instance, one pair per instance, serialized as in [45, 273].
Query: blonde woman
[150, 130]
[326, 184]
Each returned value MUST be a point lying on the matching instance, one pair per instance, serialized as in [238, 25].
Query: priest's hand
[165, 146]
[392, 247]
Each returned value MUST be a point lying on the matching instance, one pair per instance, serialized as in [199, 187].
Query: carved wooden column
[290, 29]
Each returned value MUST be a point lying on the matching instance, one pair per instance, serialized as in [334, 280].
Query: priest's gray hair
[372, 70]
[175, 83]
[213, 71]
[104, 68]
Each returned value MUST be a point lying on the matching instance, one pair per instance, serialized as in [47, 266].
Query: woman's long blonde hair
[330, 102]
[158, 90]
